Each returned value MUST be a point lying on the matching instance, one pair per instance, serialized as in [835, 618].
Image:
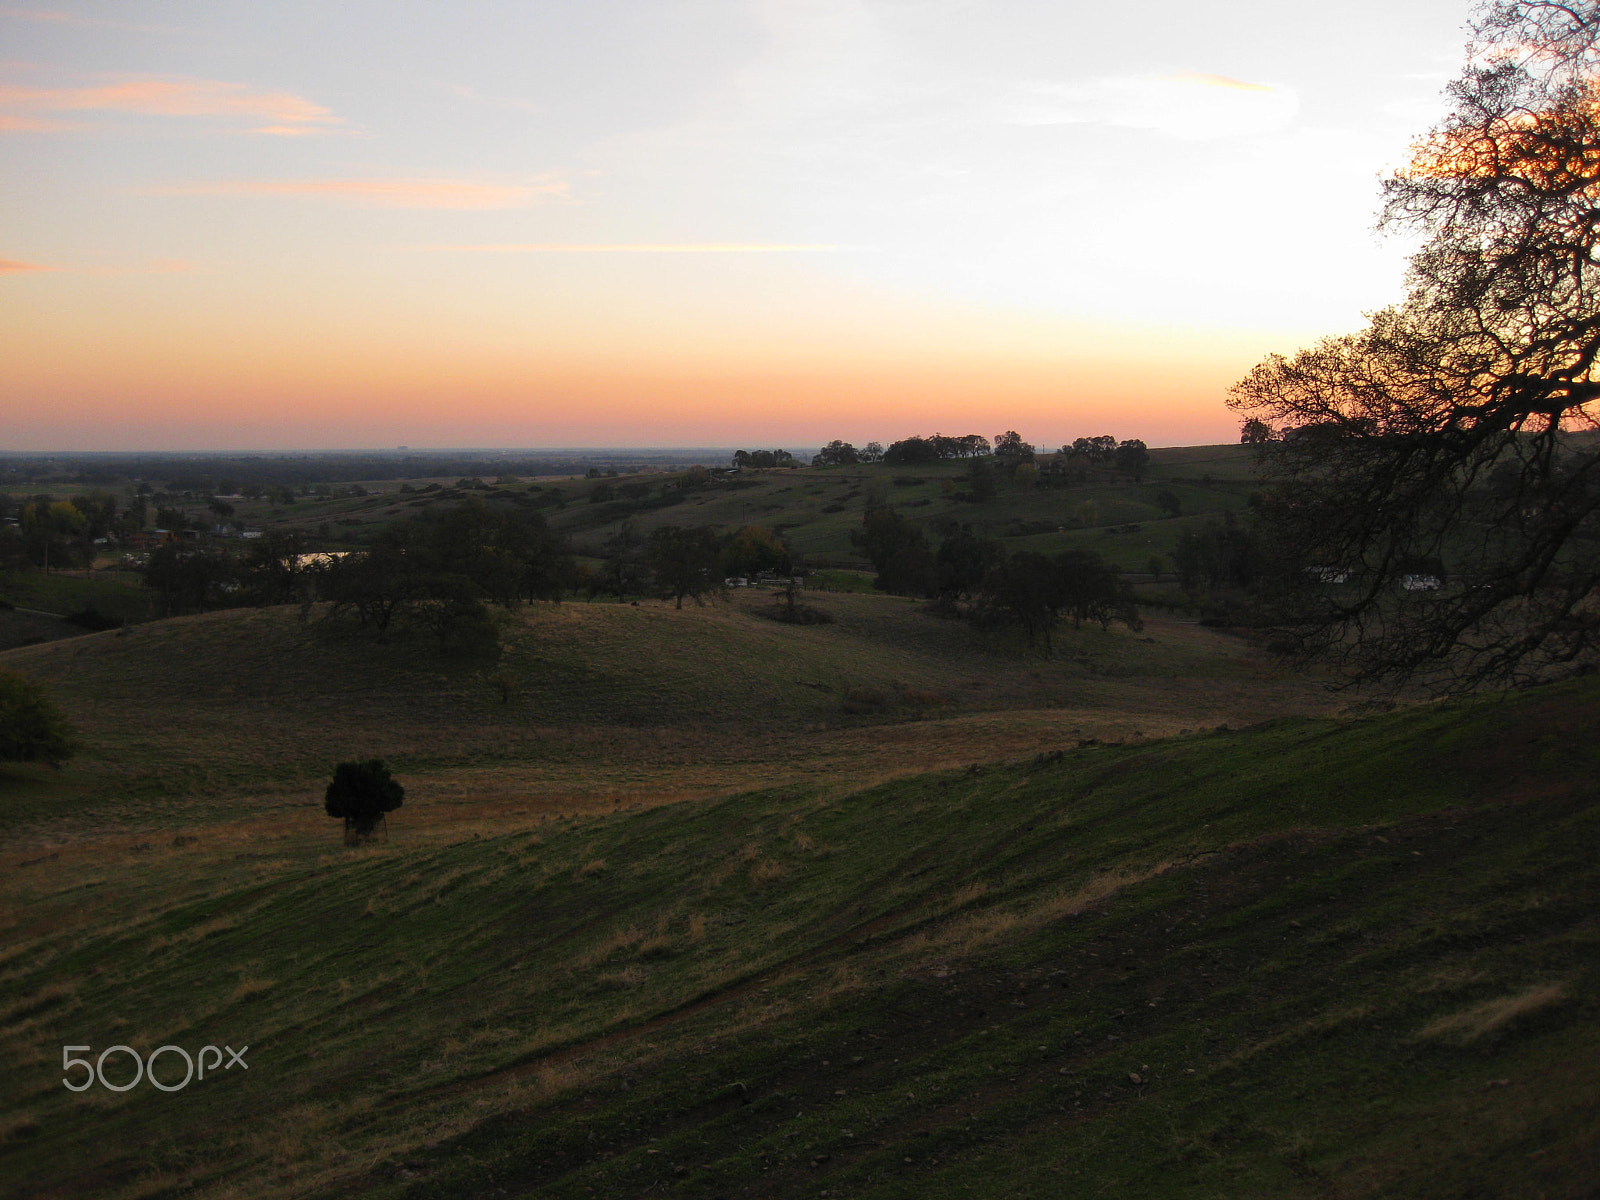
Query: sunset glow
[715, 223]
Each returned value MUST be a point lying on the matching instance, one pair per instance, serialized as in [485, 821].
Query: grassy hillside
[815, 510]
[247, 710]
[1314, 958]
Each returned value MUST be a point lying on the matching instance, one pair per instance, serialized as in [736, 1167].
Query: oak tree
[1452, 429]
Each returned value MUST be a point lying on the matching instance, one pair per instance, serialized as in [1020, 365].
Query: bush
[32, 728]
[361, 793]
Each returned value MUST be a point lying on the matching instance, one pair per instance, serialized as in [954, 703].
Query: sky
[230, 225]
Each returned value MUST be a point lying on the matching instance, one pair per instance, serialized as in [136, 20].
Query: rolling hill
[1322, 956]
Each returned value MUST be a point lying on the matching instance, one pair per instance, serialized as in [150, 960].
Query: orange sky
[735, 222]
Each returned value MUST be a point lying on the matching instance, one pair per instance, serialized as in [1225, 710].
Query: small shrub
[362, 793]
[32, 728]
[799, 614]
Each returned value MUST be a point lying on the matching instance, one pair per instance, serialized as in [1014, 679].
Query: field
[815, 510]
[605, 703]
[695, 903]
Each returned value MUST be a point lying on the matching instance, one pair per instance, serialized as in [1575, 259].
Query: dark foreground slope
[1317, 958]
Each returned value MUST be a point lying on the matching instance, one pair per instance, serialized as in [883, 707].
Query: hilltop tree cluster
[1130, 456]
[911, 451]
[843, 454]
[764, 458]
[1008, 451]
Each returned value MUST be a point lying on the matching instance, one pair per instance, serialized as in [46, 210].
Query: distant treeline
[228, 473]
[1009, 450]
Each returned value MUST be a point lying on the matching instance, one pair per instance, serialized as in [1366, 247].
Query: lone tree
[32, 728]
[1443, 432]
[361, 793]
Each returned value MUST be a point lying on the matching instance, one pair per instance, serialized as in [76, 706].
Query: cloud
[639, 248]
[1222, 81]
[283, 111]
[473, 95]
[155, 266]
[1193, 106]
[15, 124]
[62, 18]
[383, 193]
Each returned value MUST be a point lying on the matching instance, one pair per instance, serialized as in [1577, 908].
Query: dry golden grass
[620, 940]
[967, 935]
[1480, 1020]
[766, 871]
[645, 729]
[626, 977]
[249, 986]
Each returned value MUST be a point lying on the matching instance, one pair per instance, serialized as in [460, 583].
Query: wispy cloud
[638, 248]
[64, 18]
[284, 112]
[476, 97]
[1193, 105]
[1205, 79]
[14, 124]
[155, 266]
[384, 193]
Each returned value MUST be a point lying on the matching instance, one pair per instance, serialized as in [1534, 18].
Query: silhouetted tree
[909, 571]
[1256, 432]
[361, 794]
[883, 534]
[187, 579]
[1218, 554]
[963, 562]
[909, 452]
[754, 550]
[1010, 450]
[1442, 430]
[1132, 457]
[274, 567]
[836, 454]
[1035, 591]
[683, 561]
[1100, 449]
[980, 487]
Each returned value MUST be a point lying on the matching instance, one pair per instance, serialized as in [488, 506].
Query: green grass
[120, 596]
[1312, 958]
[795, 503]
[605, 701]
